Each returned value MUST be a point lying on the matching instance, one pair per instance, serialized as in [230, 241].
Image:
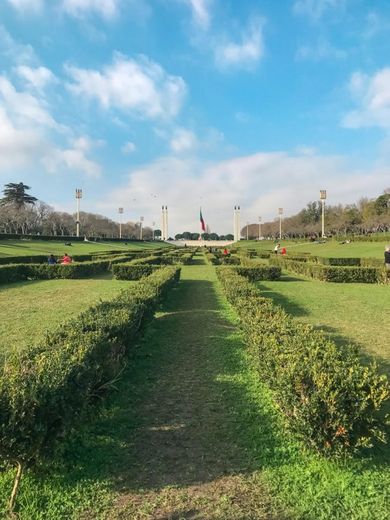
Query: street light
[259, 228]
[120, 211]
[141, 219]
[79, 194]
[323, 198]
[153, 226]
[280, 211]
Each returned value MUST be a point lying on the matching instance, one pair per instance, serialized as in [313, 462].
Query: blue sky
[195, 102]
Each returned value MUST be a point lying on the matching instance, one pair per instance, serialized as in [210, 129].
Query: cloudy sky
[194, 103]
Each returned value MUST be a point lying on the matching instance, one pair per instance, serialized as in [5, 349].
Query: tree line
[21, 213]
[365, 217]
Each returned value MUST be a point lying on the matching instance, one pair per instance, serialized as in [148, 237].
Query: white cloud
[372, 95]
[315, 9]
[245, 54]
[105, 8]
[27, 5]
[15, 52]
[24, 108]
[72, 159]
[38, 78]
[18, 147]
[137, 86]
[200, 12]
[183, 141]
[321, 50]
[128, 147]
[26, 136]
[259, 183]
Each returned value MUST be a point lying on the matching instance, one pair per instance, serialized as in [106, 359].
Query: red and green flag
[202, 224]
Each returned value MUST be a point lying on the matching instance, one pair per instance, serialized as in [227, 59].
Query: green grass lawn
[356, 313]
[30, 308]
[46, 247]
[330, 249]
[192, 433]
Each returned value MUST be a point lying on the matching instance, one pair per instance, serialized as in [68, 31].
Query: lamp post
[323, 198]
[280, 211]
[120, 211]
[247, 230]
[153, 226]
[79, 194]
[141, 219]
[259, 228]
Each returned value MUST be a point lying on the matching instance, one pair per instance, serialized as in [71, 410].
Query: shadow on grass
[288, 305]
[182, 415]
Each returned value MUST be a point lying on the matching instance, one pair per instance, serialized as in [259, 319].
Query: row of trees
[20, 213]
[366, 216]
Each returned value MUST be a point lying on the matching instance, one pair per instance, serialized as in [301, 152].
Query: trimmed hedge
[257, 273]
[328, 273]
[129, 271]
[46, 389]
[339, 261]
[20, 272]
[329, 399]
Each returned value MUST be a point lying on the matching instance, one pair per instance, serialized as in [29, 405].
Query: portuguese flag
[202, 224]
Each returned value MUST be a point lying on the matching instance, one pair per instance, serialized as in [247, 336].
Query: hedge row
[46, 389]
[330, 400]
[20, 272]
[256, 273]
[130, 271]
[332, 273]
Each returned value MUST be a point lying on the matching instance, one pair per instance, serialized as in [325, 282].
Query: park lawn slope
[28, 309]
[46, 247]
[356, 313]
[331, 248]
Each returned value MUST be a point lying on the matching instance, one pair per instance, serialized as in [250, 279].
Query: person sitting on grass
[66, 259]
[283, 251]
[51, 260]
[387, 258]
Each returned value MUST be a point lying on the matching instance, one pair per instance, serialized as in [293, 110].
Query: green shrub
[129, 271]
[256, 273]
[330, 273]
[19, 272]
[329, 399]
[339, 261]
[46, 389]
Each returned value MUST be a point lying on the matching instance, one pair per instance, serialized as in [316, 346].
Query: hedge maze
[328, 400]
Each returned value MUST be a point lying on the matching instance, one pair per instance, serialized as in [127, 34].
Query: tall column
[163, 224]
[166, 223]
[238, 224]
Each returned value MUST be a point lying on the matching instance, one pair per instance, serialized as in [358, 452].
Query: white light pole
[120, 211]
[280, 211]
[141, 219]
[247, 230]
[323, 198]
[259, 228]
[79, 194]
[153, 226]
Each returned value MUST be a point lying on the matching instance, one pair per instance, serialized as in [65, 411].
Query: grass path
[184, 460]
[192, 434]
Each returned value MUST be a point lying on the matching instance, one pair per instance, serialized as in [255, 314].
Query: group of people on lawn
[66, 259]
